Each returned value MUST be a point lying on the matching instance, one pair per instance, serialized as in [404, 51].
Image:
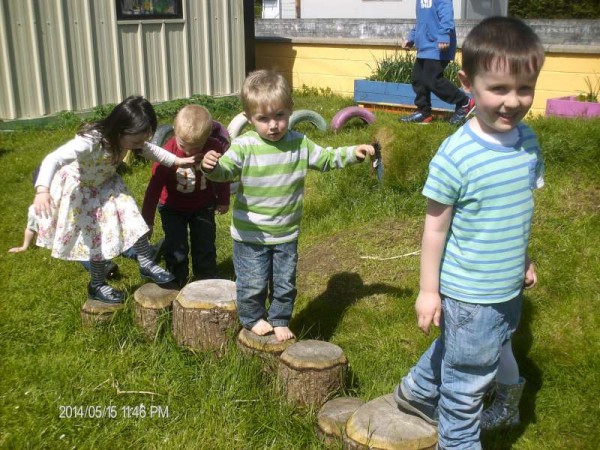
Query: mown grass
[364, 305]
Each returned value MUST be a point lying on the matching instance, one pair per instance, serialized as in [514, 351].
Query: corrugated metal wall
[58, 55]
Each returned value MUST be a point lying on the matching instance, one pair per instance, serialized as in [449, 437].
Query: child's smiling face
[503, 99]
[271, 124]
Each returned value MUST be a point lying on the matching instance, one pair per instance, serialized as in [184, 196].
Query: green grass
[366, 306]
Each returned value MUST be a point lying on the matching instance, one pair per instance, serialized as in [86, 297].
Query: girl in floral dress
[85, 211]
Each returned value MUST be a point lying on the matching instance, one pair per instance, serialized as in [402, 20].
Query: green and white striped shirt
[267, 208]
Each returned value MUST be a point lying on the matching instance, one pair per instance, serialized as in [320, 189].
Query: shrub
[397, 68]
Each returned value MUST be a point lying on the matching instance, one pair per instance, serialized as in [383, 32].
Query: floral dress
[94, 217]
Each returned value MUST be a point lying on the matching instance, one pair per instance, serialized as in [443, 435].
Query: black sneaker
[417, 117]
[426, 412]
[463, 113]
[156, 274]
[105, 293]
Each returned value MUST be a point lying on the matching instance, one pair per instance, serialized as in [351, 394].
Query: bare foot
[283, 333]
[261, 327]
[17, 249]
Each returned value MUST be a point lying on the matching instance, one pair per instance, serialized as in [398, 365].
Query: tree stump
[379, 424]
[151, 303]
[310, 371]
[94, 312]
[267, 347]
[205, 315]
[332, 418]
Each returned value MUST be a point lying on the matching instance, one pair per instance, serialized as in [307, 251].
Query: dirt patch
[342, 253]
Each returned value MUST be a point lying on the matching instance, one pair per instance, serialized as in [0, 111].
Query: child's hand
[530, 276]
[222, 209]
[362, 150]
[429, 309]
[43, 204]
[443, 46]
[188, 161]
[407, 44]
[210, 160]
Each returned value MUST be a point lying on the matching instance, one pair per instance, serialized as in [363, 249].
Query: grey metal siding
[58, 55]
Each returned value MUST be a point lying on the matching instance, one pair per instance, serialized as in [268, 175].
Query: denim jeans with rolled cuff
[265, 271]
[459, 366]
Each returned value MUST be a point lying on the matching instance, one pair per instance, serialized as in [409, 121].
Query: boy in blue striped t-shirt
[270, 163]
[474, 258]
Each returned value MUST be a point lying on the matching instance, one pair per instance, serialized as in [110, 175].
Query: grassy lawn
[49, 362]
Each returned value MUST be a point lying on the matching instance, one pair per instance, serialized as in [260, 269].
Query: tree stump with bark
[379, 424]
[311, 371]
[267, 347]
[95, 312]
[332, 418]
[152, 302]
[205, 315]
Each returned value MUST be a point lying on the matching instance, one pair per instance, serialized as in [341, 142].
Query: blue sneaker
[462, 113]
[417, 117]
[407, 403]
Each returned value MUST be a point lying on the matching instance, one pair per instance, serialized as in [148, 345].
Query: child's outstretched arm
[27, 238]
[361, 151]
[429, 304]
[210, 161]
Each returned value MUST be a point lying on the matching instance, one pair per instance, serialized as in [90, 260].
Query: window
[149, 9]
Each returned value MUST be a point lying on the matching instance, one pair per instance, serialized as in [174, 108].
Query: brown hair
[265, 88]
[502, 42]
[193, 124]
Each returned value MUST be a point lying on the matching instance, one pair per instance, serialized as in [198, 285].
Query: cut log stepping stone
[332, 418]
[96, 312]
[311, 371]
[205, 315]
[379, 424]
[266, 347]
[151, 303]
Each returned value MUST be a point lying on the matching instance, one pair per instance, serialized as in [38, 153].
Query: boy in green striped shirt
[270, 164]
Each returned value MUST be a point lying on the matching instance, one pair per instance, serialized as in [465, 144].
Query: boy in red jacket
[186, 199]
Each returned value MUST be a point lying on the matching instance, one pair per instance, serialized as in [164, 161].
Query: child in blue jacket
[434, 37]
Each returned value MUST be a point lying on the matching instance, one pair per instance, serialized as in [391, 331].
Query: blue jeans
[202, 235]
[263, 270]
[457, 369]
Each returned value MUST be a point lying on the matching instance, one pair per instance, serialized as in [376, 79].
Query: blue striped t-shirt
[490, 187]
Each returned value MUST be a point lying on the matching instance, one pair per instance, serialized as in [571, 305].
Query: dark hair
[134, 115]
[499, 42]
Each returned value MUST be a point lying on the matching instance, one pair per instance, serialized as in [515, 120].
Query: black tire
[162, 135]
[345, 114]
[237, 124]
[309, 116]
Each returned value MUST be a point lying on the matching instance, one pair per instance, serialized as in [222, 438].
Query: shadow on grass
[322, 315]
[504, 439]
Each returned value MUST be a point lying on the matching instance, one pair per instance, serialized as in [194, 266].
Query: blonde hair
[193, 124]
[265, 88]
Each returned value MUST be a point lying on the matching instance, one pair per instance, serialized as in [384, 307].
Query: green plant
[397, 68]
[593, 91]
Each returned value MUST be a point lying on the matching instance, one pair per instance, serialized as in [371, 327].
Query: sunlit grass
[364, 305]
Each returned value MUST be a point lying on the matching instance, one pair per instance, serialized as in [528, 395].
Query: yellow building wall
[337, 66]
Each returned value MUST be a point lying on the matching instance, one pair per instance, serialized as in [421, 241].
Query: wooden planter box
[571, 107]
[385, 93]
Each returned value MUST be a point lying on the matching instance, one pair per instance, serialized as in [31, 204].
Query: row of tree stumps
[309, 372]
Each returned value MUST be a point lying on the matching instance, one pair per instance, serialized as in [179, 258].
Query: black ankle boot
[110, 295]
[156, 274]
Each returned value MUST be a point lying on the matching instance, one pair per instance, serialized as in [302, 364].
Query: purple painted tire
[345, 114]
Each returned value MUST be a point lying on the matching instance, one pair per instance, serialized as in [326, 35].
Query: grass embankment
[49, 362]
